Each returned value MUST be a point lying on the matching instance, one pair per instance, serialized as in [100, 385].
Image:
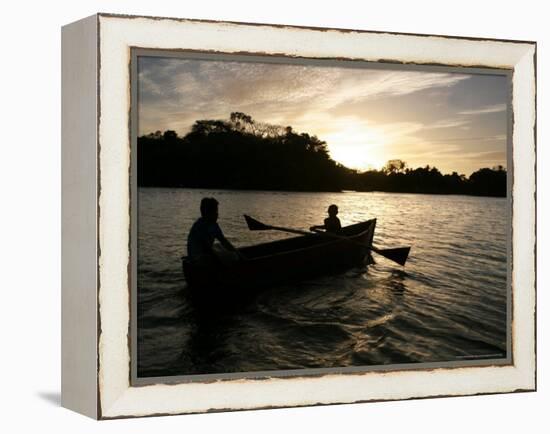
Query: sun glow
[357, 146]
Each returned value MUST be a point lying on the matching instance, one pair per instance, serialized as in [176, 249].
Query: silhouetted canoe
[281, 261]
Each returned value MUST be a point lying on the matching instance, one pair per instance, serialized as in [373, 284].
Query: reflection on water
[447, 304]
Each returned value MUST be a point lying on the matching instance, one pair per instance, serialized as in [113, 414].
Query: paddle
[399, 254]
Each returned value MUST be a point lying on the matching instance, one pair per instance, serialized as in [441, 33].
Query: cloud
[182, 90]
[496, 108]
[446, 123]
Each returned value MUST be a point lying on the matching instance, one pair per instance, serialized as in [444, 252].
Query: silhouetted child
[332, 223]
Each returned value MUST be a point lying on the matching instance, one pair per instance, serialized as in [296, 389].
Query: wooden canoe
[281, 261]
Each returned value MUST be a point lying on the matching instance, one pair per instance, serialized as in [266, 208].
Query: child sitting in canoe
[332, 223]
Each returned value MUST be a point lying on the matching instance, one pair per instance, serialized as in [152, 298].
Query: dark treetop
[241, 153]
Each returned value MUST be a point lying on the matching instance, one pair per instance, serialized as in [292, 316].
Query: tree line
[243, 154]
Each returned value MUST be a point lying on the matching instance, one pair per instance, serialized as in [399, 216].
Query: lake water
[447, 304]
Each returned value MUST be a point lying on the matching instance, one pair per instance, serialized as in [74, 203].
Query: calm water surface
[448, 303]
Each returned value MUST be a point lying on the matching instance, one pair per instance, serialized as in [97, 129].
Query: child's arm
[316, 228]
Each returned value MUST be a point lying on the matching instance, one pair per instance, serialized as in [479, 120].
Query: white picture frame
[97, 249]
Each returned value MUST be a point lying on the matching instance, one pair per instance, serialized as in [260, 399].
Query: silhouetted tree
[170, 135]
[242, 122]
[488, 182]
[394, 166]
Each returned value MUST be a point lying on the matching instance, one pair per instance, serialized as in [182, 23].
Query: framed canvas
[261, 216]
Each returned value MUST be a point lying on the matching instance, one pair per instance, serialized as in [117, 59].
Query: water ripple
[448, 303]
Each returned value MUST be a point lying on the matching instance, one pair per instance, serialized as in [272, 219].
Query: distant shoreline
[241, 154]
[251, 190]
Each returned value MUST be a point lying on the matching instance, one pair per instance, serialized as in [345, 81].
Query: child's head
[332, 210]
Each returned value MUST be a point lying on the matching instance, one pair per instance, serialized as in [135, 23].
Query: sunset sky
[456, 122]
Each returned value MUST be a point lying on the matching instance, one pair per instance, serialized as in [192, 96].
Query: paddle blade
[255, 225]
[399, 254]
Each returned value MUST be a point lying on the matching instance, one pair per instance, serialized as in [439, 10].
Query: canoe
[288, 260]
